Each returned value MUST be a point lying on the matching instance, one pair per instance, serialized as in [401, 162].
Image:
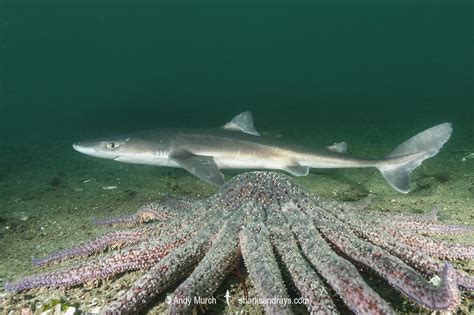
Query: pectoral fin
[203, 167]
[297, 170]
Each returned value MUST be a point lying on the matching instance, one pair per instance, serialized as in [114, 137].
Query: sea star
[269, 221]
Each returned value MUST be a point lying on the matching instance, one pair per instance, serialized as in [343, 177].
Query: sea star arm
[426, 223]
[147, 213]
[367, 223]
[433, 228]
[435, 248]
[306, 280]
[97, 245]
[164, 273]
[211, 270]
[395, 271]
[112, 264]
[263, 269]
[358, 205]
[401, 218]
[396, 242]
[412, 256]
[338, 272]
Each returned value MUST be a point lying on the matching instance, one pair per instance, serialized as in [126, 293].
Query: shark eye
[112, 145]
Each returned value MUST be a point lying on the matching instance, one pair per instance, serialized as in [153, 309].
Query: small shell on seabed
[109, 187]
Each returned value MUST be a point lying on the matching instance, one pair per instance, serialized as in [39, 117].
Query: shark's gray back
[216, 138]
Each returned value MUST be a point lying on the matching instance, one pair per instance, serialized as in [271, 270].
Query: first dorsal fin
[243, 122]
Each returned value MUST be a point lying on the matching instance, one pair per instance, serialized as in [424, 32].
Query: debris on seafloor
[468, 156]
[109, 187]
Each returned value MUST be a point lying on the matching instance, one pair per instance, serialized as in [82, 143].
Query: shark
[238, 145]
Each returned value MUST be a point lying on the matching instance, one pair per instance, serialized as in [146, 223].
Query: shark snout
[94, 148]
[84, 148]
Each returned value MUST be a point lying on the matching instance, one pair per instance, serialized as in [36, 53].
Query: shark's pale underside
[237, 145]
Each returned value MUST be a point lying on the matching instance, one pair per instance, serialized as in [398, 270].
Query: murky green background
[74, 67]
[372, 73]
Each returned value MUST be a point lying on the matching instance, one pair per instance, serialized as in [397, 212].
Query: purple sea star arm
[99, 244]
[395, 242]
[355, 206]
[435, 248]
[306, 280]
[402, 218]
[364, 222]
[395, 271]
[125, 260]
[412, 256]
[211, 270]
[424, 223]
[434, 228]
[126, 220]
[263, 269]
[341, 275]
[149, 212]
[163, 274]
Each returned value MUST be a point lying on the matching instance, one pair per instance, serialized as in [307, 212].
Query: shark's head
[103, 148]
[123, 149]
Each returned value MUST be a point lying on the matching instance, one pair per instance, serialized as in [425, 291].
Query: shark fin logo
[227, 297]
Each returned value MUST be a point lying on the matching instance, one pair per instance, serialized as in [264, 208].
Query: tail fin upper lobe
[397, 166]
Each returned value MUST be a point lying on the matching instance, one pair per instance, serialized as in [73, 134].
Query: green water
[371, 73]
[90, 66]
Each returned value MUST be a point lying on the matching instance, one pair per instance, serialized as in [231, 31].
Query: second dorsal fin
[243, 122]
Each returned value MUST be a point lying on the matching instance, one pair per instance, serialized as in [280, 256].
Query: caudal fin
[397, 166]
